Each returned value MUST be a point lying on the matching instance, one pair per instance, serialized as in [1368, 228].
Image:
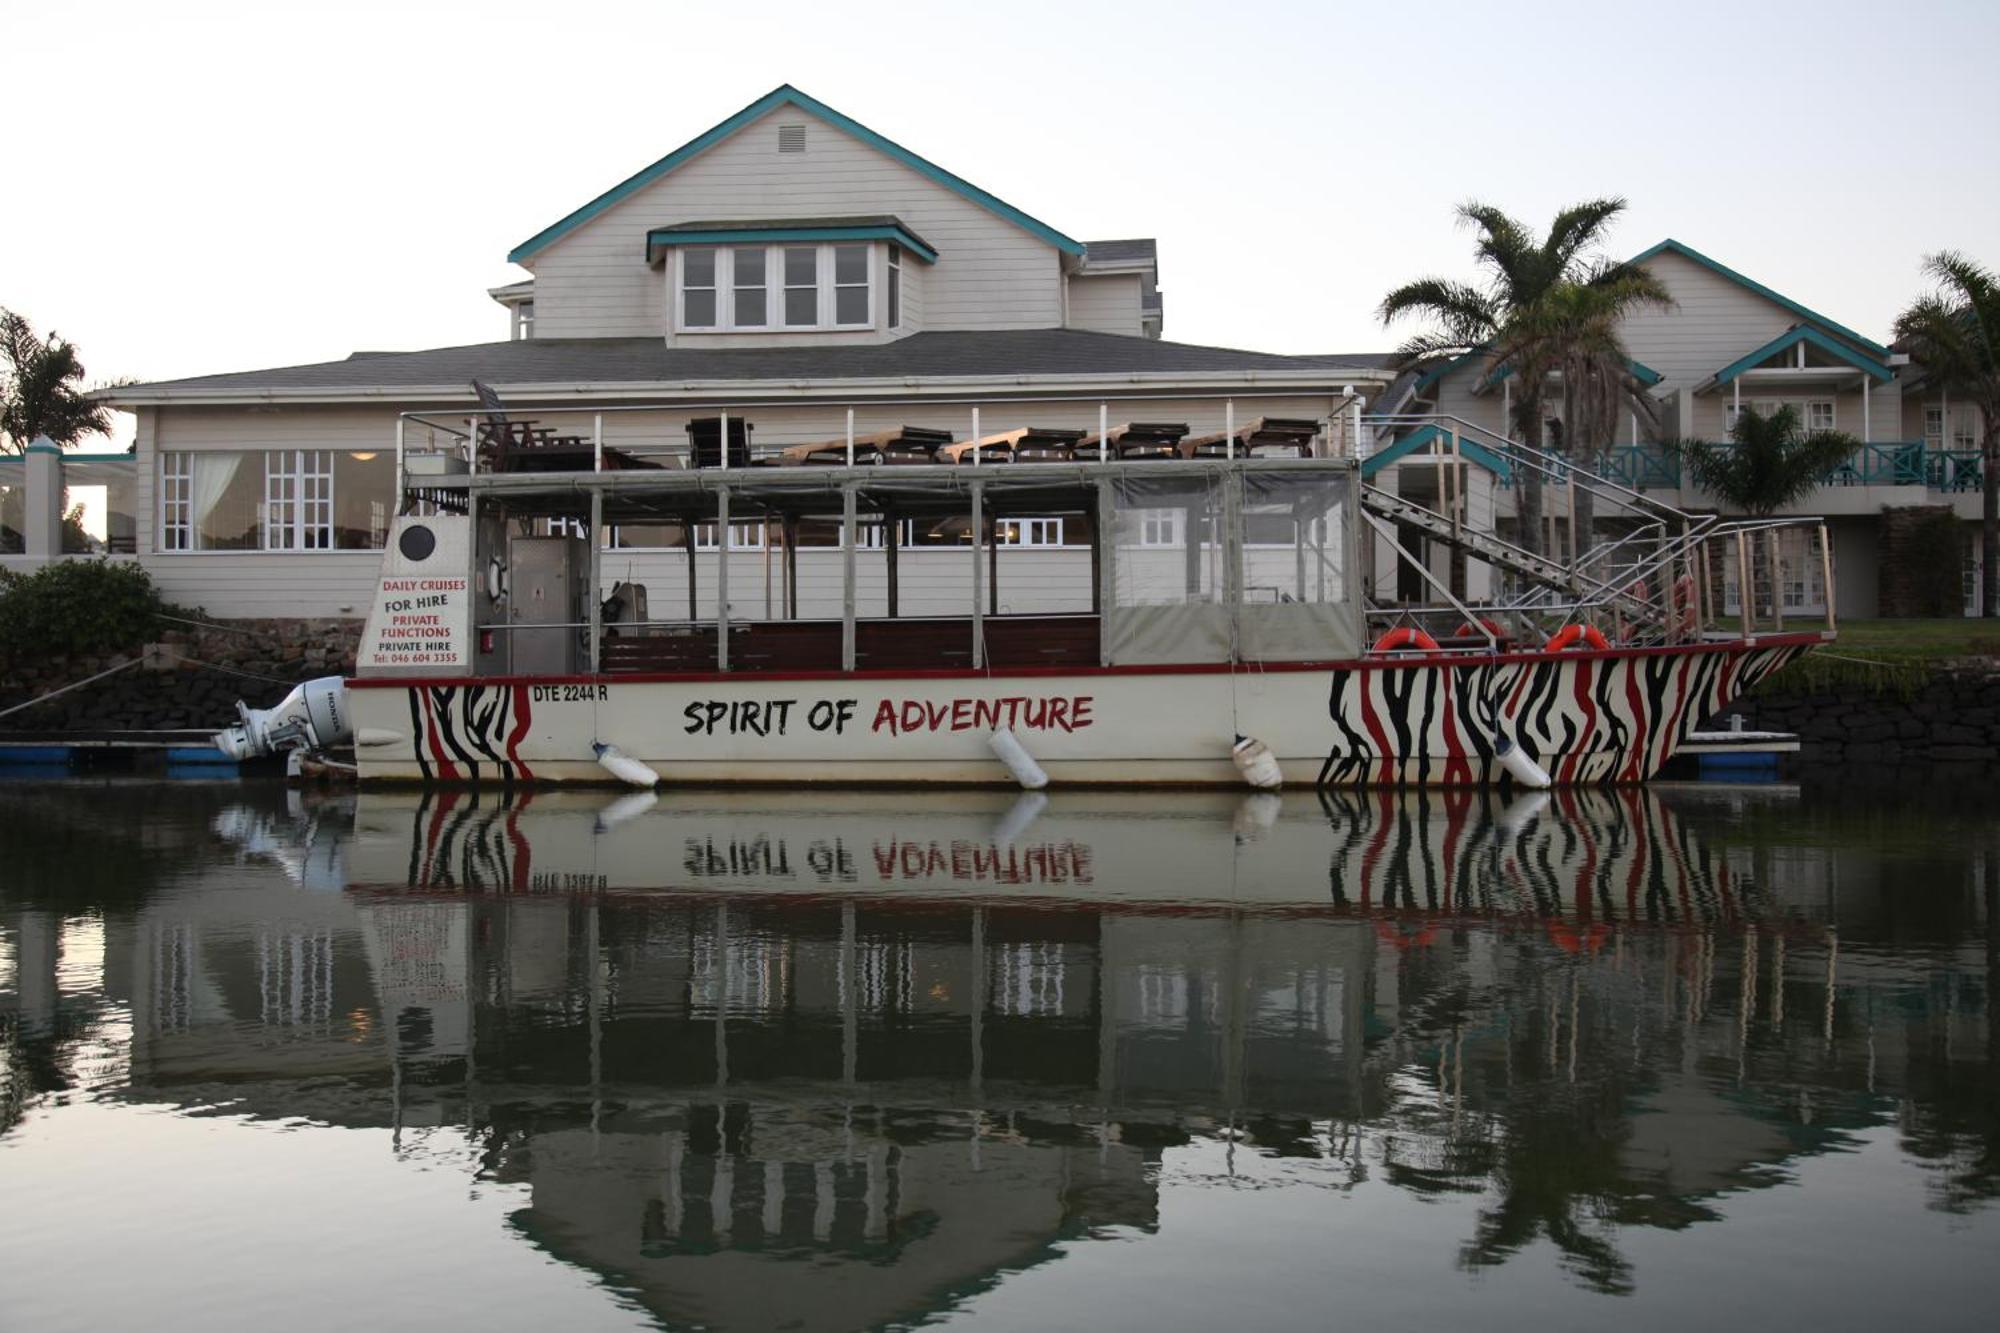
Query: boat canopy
[1194, 561]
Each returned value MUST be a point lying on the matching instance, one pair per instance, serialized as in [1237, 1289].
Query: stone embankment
[191, 678]
[1952, 717]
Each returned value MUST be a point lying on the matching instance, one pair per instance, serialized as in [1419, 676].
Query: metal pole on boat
[847, 534]
[850, 437]
[722, 457]
[1744, 594]
[975, 450]
[978, 540]
[1229, 428]
[722, 573]
[597, 443]
[595, 561]
[1777, 579]
[1103, 432]
[399, 464]
[1826, 573]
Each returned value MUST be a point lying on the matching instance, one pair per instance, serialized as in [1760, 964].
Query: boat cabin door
[545, 605]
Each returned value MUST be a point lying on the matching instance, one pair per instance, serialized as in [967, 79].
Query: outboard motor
[312, 717]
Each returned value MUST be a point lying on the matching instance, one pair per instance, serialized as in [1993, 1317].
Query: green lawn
[1917, 640]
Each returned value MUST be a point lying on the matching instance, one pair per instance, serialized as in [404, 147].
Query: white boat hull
[1433, 721]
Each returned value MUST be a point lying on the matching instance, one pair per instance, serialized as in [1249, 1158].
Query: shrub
[77, 606]
[1935, 550]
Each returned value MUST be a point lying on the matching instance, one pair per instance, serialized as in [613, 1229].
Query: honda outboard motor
[312, 717]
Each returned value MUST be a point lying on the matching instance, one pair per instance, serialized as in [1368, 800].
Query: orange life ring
[1405, 636]
[1473, 629]
[1570, 635]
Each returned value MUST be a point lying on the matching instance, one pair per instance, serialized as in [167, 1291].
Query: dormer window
[786, 275]
[771, 288]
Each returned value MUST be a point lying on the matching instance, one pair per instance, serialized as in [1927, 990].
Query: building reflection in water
[755, 1062]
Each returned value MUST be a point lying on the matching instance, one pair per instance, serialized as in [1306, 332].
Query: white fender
[1027, 808]
[629, 806]
[1019, 763]
[372, 737]
[624, 767]
[1525, 771]
[1257, 764]
[1256, 815]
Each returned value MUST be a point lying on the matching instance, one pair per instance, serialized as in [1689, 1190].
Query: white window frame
[176, 501]
[1162, 529]
[681, 289]
[1934, 426]
[1038, 531]
[294, 517]
[1832, 414]
[774, 289]
[892, 287]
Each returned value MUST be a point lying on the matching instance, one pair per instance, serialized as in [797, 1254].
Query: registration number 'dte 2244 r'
[570, 694]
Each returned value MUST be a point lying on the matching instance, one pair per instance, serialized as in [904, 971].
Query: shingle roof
[1121, 252]
[651, 361]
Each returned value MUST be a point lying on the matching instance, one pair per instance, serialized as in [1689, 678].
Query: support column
[595, 580]
[847, 535]
[42, 529]
[978, 536]
[722, 573]
[892, 542]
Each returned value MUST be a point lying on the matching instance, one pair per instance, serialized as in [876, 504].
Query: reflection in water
[843, 1060]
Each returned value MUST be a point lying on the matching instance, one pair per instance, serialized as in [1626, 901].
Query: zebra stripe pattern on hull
[1584, 718]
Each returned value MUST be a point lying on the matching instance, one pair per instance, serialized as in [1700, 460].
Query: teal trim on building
[781, 235]
[1811, 337]
[71, 458]
[1473, 452]
[784, 95]
[1436, 373]
[1642, 372]
[39, 448]
[1688, 252]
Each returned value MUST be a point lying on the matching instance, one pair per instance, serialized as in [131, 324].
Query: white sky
[225, 187]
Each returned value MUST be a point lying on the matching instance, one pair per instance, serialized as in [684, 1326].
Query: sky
[193, 188]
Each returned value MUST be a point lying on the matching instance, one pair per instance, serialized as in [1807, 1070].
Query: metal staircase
[1648, 572]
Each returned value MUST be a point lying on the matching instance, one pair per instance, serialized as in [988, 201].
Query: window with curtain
[275, 499]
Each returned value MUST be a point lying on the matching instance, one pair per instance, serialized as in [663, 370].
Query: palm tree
[1770, 462]
[39, 388]
[1954, 333]
[1548, 307]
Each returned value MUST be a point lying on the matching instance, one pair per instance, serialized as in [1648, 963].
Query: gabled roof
[784, 95]
[1688, 252]
[1472, 451]
[1792, 337]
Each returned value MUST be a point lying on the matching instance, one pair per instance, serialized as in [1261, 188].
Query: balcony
[1889, 463]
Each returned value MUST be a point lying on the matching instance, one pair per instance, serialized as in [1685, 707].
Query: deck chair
[504, 442]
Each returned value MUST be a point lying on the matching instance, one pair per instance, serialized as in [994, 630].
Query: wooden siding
[1110, 303]
[990, 274]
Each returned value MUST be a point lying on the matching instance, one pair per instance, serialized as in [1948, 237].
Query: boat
[1238, 610]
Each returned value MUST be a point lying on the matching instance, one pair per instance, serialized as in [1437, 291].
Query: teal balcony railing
[1888, 463]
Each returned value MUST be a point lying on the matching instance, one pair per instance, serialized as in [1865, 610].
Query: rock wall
[1952, 718]
[191, 678]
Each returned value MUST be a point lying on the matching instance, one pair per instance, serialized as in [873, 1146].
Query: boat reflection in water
[920, 1041]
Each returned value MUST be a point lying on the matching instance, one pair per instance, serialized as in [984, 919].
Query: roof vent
[791, 138]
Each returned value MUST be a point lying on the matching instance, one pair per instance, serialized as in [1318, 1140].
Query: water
[1116, 1060]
